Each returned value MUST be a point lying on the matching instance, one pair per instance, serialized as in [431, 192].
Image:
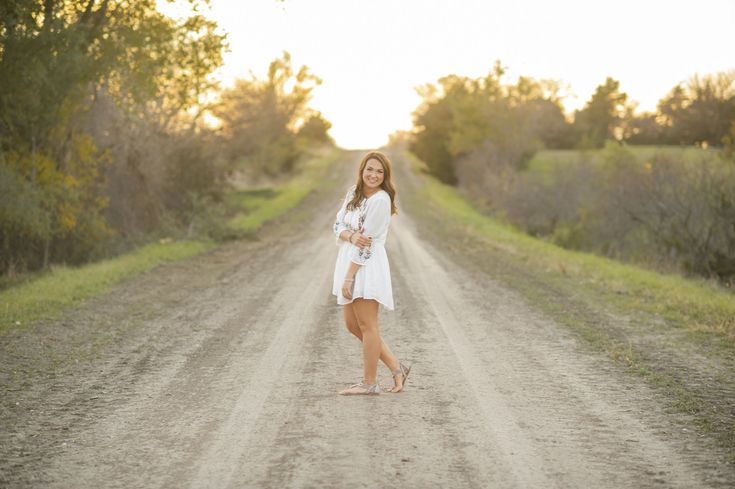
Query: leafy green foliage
[700, 111]
[53, 203]
[669, 209]
[602, 117]
[261, 118]
[461, 115]
[316, 129]
[82, 82]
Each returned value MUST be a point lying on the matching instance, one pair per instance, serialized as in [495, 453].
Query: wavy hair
[387, 184]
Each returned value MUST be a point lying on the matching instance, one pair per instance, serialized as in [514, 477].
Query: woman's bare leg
[366, 311]
[386, 355]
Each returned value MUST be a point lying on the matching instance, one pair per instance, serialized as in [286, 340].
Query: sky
[372, 54]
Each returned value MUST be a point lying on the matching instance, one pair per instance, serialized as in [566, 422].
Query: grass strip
[264, 210]
[264, 205]
[47, 296]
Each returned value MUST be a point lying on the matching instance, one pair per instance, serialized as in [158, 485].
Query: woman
[362, 274]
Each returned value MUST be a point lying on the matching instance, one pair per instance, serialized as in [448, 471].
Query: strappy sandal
[364, 389]
[404, 368]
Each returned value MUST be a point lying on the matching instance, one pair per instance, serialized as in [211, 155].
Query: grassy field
[47, 296]
[547, 160]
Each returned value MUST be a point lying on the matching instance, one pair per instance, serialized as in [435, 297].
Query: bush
[670, 210]
[464, 123]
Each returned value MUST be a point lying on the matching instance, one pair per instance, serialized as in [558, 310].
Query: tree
[260, 118]
[483, 124]
[602, 116]
[60, 61]
[316, 129]
[700, 111]
[644, 129]
[433, 122]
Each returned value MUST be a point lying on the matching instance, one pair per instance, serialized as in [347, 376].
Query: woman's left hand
[360, 240]
[347, 285]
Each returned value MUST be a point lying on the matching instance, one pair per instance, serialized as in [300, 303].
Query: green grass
[258, 206]
[47, 296]
[249, 200]
[262, 209]
[699, 306]
[547, 160]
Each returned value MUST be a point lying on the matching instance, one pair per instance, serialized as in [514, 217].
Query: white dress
[372, 280]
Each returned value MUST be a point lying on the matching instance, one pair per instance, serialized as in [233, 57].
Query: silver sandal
[367, 389]
[404, 368]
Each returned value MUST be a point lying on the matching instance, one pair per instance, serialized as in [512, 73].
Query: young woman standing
[362, 274]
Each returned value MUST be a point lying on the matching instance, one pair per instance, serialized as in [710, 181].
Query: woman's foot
[400, 375]
[361, 389]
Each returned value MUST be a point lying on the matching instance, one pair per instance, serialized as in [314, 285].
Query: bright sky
[371, 54]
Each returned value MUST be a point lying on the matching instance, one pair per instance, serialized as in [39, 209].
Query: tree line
[104, 142]
[459, 113]
[671, 210]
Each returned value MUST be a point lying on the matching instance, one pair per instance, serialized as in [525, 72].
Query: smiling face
[373, 175]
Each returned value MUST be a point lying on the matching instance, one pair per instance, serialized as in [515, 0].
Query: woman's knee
[366, 313]
[352, 327]
[367, 326]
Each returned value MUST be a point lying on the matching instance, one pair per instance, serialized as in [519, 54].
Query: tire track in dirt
[556, 418]
[288, 315]
[148, 346]
[171, 396]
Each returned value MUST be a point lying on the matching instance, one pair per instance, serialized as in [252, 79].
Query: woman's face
[373, 174]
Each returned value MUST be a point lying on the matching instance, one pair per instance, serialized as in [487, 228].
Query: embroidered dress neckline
[365, 199]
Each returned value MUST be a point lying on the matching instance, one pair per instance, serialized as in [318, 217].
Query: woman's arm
[377, 219]
[349, 280]
[339, 226]
[354, 237]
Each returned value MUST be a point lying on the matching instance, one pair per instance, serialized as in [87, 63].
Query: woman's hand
[347, 285]
[360, 240]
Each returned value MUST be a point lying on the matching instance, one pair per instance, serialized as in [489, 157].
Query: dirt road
[222, 371]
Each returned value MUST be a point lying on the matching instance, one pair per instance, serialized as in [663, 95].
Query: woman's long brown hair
[387, 184]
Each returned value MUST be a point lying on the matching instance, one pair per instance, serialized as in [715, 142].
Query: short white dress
[372, 280]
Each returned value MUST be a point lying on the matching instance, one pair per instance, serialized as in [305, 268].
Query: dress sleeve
[339, 224]
[377, 219]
